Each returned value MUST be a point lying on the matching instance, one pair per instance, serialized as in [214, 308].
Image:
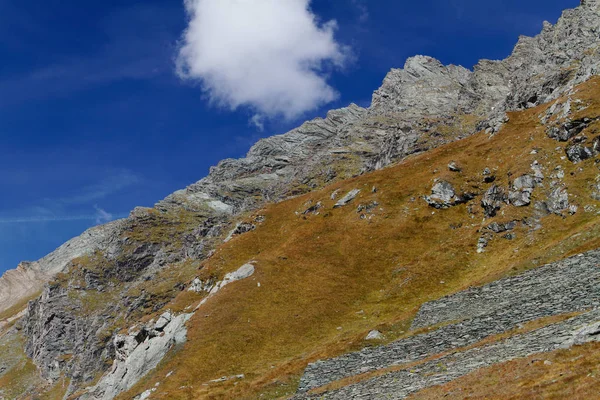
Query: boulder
[522, 188]
[313, 209]
[443, 195]
[558, 200]
[454, 167]
[577, 152]
[163, 321]
[347, 198]
[499, 228]
[374, 335]
[492, 200]
[569, 129]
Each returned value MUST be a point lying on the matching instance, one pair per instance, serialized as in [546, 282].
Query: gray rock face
[424, 87]
[55, 329]
[137, 358]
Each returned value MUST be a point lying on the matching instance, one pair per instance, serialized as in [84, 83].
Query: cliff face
[28, 279]
[105, 294]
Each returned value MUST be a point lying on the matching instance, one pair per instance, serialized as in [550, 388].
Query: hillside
[264, 279]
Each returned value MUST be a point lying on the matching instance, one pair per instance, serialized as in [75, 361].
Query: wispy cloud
[361, 9]
[75, 206]
[99, 218]
[112, 183]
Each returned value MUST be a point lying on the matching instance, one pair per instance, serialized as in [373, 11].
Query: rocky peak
[424, 87]
[591, 4]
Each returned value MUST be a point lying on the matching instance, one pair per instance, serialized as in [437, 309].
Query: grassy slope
[327, 279]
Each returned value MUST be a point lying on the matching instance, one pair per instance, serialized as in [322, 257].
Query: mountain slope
[338, 269]
[321, 269]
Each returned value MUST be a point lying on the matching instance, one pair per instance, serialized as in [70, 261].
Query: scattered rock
[367, 207]
[443, 195]
[454, 167]
[228, 378]
[537, 171]
[577, 152]
[443, 191]
[488, 177]
[522, 188]
[573, 209]
[558, 201]
[492, 201]
[482, 243]
[240, 228]
[200, 286]
[569, 129]
[499, 228]
[374, 335]
[314, 209]
[347, 198]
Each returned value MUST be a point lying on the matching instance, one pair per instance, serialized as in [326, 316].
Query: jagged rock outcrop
[412, 102]
[137, 354]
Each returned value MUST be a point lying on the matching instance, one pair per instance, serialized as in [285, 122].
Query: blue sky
[95, 120]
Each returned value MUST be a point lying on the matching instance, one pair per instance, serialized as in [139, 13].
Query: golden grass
[326, 280]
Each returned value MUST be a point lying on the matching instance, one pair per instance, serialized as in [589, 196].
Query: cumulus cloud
[269, 55]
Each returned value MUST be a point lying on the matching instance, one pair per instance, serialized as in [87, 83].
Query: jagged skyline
[85, 117]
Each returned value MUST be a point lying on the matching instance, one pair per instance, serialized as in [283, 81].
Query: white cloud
[268, 55]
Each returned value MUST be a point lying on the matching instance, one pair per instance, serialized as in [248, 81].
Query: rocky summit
[442, 243]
